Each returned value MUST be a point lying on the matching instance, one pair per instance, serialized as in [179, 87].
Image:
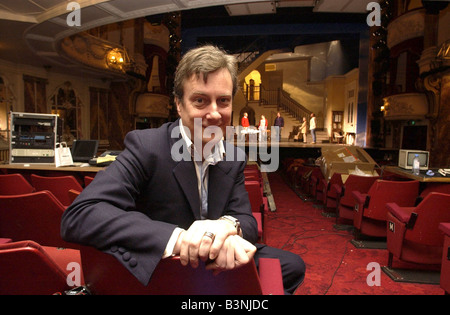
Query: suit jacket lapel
[184, 172]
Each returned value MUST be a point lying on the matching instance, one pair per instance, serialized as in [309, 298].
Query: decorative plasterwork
[407, 26]
[91, 51]
[405, 106]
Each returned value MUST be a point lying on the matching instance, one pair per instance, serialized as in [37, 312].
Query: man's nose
[214, 112]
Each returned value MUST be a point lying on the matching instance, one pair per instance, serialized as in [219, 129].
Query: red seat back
[25, 269]
[356, 183]
[14, 184]
[434, 187]
[35, 216]
[403, 193]
[104, 274]
[87, 180]
[314, 179]
[433, 210]
[336, 178]
[58, 185]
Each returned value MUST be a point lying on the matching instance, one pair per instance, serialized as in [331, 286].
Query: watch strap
[233, 221]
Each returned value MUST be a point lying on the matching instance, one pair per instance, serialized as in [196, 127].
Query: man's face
[211, 102]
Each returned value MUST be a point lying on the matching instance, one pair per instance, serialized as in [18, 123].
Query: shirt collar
[218, 151]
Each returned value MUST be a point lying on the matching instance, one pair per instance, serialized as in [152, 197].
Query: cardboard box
[346, 160]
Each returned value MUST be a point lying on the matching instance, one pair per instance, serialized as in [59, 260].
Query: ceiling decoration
[35, 27]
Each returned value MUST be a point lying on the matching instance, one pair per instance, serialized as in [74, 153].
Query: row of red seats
[391, 209]
[35, 260]
[254, 184]
[14, 184]
[33, 256]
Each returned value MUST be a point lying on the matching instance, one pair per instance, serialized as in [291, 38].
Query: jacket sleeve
[104, 215]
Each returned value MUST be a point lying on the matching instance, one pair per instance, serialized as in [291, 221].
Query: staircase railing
[293, 107]
[283, 101]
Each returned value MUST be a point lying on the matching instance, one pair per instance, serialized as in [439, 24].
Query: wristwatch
[233, 221]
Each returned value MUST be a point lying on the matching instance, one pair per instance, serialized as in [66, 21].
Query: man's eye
[224, 101]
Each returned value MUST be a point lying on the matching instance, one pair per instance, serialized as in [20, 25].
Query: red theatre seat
[445, 267]
[58, 185]
[255, 195]
[413, 232]
[346, 202]
[14, 184]
[329, 195]
[35, 216]
[313, 180]
[305, 178]
[104, 274]
[370, 209]
[317, 186]
[26, 268]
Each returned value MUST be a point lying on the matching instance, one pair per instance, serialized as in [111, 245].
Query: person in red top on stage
[244, 122]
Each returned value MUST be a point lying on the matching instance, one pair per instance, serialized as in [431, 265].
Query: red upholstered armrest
[445, 227]
[359, 197]
[403, 214]
[5, 240]
[270, 276]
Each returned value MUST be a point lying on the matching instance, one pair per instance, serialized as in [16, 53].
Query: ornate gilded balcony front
[96, 53]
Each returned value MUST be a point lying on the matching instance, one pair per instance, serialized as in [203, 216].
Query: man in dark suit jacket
[279, 122]
[177, 190]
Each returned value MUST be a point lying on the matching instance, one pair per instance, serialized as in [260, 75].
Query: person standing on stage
[279, 122]
[312, 127]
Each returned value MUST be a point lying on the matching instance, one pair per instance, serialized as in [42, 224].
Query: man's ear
[179, 105]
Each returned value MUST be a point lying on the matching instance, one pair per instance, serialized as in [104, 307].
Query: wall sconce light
[115, 58]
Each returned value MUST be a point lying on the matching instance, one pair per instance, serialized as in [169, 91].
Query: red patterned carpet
[334, 265]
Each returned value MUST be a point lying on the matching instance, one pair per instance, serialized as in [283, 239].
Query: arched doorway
[252, 86]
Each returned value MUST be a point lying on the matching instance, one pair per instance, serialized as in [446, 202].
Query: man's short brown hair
[202, 61]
